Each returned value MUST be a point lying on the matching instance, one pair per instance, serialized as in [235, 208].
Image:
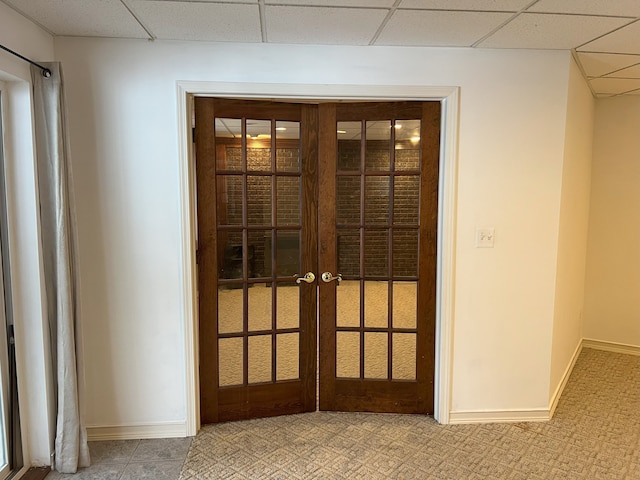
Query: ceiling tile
[335, 3]
[170, 20]
[625, 40]
[629, 8]
[630, 72]
[614, 85]
[438, 28]
[90, 18]
[599, 64]
[532, 30]
[322, 26]
[482, 5]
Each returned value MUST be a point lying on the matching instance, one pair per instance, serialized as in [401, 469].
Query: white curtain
[57, 219]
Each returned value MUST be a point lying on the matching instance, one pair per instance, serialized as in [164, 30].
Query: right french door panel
[378, 215]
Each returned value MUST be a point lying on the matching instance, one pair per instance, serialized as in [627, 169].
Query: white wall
[612, 299]
[32, 346]
[123, 122]
[572, 237]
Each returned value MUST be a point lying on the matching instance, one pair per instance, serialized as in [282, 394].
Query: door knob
[309, 277]
[328, 277]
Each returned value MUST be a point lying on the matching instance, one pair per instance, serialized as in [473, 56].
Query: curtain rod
[45, 71]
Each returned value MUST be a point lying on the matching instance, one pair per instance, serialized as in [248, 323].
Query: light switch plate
[485, 237]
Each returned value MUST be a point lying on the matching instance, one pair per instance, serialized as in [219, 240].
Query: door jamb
[447, 194]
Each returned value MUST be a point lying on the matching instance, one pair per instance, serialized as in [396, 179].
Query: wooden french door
[257, 231]
[296, 200]
[378, 215]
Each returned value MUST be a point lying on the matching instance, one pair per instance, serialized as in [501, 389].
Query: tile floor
[158, 459]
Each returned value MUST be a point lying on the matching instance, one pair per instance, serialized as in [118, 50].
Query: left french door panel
[257, 231]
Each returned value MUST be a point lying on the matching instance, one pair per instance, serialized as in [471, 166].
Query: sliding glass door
[10, 438]
[5, 467]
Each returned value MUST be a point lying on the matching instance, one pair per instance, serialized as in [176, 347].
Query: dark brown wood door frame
[279, 397]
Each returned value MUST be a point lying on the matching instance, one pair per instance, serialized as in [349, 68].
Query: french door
[378, 229]
[257, 230]
[300, 202]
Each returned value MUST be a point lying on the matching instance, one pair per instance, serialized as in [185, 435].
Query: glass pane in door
[348, 210]
[348, 304]
[376, 194]
[229, 205]
[377, 156]
[407, 145]
[348, 354]
[288, 252]
[405, 253]
[230, 318]
[376, 304]
[405, 304]
[258, 153]
[288, 203]
[376, 252]
[288, 348]
[259, 364]
[259, 200]
[406, 199]
[230, 360]
[404, 356]
[376, 350]
[288, 306]
[287, 146]
[228, 132]
[259, 307]
[349, 146]
[348, 243]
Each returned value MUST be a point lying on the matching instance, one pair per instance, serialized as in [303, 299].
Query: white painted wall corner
[553, 402]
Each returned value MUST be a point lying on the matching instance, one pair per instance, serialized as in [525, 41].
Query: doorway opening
[448, 96]
[285, 188]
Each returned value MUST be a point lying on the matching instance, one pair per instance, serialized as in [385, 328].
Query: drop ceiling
[604, 35]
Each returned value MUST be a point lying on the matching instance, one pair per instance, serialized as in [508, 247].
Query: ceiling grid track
[137, 19]
[384, 22]
[263, 21]
[501, 26]
[608, 33]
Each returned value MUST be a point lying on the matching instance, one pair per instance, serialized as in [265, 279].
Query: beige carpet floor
[595, 434]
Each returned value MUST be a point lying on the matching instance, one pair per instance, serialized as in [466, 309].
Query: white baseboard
[499, 416]
[611, 346]
[137, 431]
[553, 402]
